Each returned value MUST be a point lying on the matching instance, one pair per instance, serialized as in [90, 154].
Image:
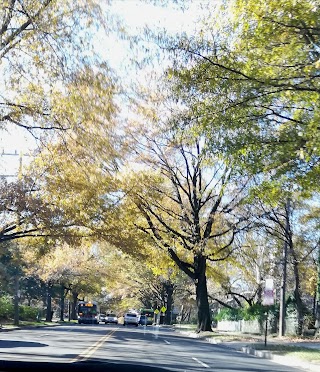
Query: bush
[6, 307]
[7, 310]
[28, 313]
[228, 314]
[256, 311]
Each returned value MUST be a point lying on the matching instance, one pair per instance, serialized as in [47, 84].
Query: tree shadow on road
[7, 344]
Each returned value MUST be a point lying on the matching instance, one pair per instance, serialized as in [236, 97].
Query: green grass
[298, 352]
[34, 323]
[26, 323]
[292, 351]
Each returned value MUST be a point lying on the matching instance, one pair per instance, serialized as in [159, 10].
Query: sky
[15, 147]
[17, 144]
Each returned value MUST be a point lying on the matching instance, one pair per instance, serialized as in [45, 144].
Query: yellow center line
[86, 354]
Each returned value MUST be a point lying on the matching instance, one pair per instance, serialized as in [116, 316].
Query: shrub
[228, 314]
[6, 307]
[28, 312]
[256, 311]
[25, 312]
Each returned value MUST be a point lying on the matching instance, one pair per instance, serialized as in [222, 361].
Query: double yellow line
[92, 349]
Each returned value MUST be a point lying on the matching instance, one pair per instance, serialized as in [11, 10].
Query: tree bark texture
[169, 290]
[204, 315]
[16, 300]
[297, 295]
[62, 289]
[74, 305]
[49, 306]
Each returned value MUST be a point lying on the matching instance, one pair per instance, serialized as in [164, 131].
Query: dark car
[143, 320]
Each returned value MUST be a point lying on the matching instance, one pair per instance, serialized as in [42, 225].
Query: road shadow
[7, 344]
[83, 366]
[190, 366]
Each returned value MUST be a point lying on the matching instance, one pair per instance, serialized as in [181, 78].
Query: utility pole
[17, 167]
[282, 314]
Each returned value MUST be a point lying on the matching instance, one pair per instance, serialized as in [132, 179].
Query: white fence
[249, 326]
[252, 326]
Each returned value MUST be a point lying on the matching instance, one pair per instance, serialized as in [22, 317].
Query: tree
[76, 269]
[186, 206]
[281, 216]
[42, 46]
[34, 202]
[314, 275]
[54, 83]
[249, 78]
[23, 213]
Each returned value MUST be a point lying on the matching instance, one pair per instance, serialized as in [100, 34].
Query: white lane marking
[199, 361]
[167, 342]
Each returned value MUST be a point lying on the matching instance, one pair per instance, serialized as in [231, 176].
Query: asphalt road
[118, 348]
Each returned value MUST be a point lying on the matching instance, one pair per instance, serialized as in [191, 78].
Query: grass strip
[300, 352]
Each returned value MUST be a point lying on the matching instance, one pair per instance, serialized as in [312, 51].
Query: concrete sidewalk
[246, 344]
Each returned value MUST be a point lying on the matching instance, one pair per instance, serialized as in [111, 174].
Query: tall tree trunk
[259, 301]
[49, 307]
[297, 294]
[317, 295]
[287, 242]
[16, 300]
[169, 290]
[62, 288]
[204, 315]
[74, 305]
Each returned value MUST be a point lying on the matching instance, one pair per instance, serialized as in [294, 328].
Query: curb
[9, 329]
[288, 361]
[264, 354]
[213, 340]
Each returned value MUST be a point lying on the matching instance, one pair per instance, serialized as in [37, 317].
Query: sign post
[268, 300]
[158, 316]
[163, 311]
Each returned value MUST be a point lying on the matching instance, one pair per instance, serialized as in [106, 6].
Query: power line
[14, 153]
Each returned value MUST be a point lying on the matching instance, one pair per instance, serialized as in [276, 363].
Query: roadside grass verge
[26, 323]
[191, 329]
[291, 351]
[256, 342]
[29, 323]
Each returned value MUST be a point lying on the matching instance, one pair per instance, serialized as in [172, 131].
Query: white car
[111, 318]
[131, 318]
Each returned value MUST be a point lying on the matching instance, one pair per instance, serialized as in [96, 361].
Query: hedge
[25, 312]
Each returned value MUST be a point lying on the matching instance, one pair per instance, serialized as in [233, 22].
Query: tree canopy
[249, 80]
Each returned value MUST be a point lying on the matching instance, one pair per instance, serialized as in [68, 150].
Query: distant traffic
[88, 313]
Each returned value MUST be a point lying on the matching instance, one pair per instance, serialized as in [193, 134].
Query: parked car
[111, 318]
[131, 318]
